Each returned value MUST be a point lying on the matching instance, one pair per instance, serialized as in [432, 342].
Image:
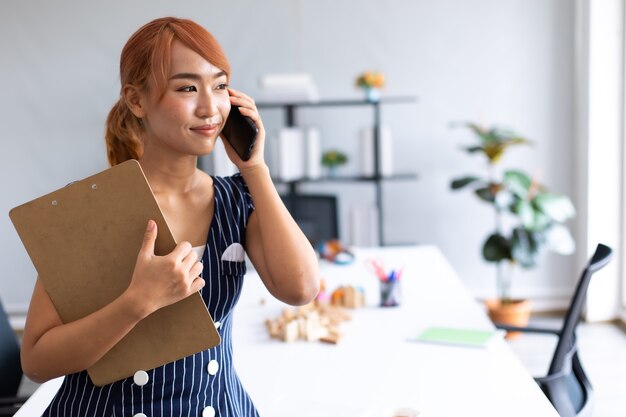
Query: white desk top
[375, 369]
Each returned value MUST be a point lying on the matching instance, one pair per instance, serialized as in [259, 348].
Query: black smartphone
[240, 131]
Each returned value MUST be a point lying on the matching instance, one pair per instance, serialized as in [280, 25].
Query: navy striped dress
[201, 385]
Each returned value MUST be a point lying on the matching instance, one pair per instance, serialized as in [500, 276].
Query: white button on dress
[140, 415]
[141, 378]
[217, 324]
[213, 367]
[208, 412]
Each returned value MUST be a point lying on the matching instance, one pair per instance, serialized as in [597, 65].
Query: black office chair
[10, 368]
[566, 384]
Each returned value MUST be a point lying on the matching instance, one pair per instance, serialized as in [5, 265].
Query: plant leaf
[496, 248]
[480, 131]
[557, 208]
[525, 212]
[559, 240]
[531, 218]
[542, 222]
[461, 182]
[494, 151]
[504, 199]
[485, 194]
[518, 182]
[525, 247]
[474, 149]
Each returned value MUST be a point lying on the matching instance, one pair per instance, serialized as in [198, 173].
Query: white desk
[375, 369]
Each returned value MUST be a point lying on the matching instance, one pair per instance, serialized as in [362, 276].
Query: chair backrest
[564, 350]
[10, 366]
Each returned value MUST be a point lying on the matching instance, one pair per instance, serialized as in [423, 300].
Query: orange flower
[371, 79]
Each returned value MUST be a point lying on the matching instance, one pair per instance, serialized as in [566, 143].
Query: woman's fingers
[181, 251]
[195, 270]
[189, 259]
[242, 100]
[196, 285]
[165, 280]
[192, 269]
[247, 107]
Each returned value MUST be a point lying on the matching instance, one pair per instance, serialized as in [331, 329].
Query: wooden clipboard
[83, 240]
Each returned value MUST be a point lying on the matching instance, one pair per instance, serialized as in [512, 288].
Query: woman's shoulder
[231, 182]
[234, 190]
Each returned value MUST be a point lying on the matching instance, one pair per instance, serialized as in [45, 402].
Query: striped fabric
[190, 386]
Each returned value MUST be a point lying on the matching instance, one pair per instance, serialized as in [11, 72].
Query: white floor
[602, 351]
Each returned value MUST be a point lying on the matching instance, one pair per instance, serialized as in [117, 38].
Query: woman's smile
[206, 130]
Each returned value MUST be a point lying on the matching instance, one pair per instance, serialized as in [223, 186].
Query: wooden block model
[311, 322]
[348, 296]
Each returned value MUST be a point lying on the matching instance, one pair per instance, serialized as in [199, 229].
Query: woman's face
[189, 116]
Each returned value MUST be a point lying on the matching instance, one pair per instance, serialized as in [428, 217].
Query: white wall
[601, 155]
[508, 62]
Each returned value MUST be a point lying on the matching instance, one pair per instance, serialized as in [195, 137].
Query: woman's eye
[222, 86]
[188, 89]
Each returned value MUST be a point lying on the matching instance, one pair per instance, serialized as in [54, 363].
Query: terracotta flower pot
[514, 313]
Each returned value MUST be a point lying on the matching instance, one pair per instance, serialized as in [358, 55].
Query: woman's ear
[134, 100]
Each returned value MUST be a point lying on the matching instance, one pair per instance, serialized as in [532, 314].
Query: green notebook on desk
[459, 337]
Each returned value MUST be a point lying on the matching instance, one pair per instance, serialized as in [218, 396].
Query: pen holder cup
[390, 293]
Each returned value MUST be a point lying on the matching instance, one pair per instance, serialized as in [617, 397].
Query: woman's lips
[206, 130]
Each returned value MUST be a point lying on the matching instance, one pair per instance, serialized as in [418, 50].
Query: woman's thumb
[149, 238]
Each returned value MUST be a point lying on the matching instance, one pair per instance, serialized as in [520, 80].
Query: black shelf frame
[290, 120]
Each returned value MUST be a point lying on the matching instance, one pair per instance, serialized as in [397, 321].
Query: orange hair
[146, 57]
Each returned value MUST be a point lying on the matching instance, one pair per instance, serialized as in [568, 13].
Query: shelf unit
[290, 120]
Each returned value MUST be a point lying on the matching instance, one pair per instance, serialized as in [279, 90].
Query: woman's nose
[206, 106]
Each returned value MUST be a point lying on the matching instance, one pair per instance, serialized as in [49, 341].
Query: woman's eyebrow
[193, 76]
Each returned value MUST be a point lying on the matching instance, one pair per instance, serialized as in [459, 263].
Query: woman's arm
[51, 348]
[281, 254]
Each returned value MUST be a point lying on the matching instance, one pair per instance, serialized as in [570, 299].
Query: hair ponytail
[123, 134]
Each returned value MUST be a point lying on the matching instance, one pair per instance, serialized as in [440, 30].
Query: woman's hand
[247, 107]
[159, 281]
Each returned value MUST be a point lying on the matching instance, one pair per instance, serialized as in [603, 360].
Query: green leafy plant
[535, 215]
[333, 158]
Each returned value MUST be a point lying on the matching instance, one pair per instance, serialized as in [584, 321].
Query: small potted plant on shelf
[371, 81]
[332, 159]
[528, 219]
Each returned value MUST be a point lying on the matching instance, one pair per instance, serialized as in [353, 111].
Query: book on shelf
[289, 152]
[364, 226]
[385, 152]
[295, 154]
[313, 153]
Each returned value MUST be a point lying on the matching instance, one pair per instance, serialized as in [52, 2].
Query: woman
[173, 104]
